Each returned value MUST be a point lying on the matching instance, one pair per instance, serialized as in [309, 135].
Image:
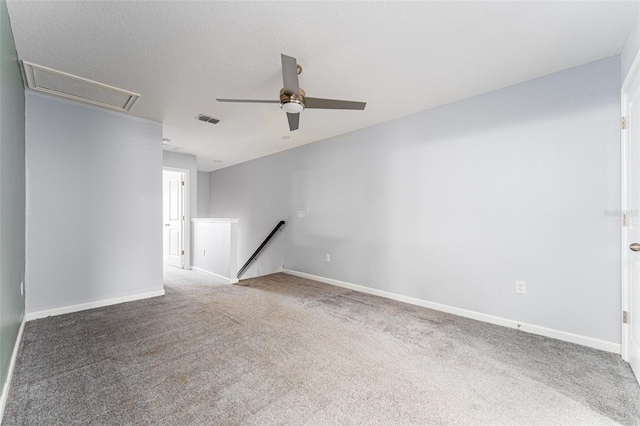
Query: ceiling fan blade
[252, 101]
[294, 121]
[319, 103]
[290, 75]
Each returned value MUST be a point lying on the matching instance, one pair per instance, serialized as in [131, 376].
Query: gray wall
[203, 195]
[94, 204]
[631, 46]
[453, 204]
[12, 194]
[256, 192]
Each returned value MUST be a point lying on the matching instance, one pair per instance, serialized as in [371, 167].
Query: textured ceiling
[399, 57]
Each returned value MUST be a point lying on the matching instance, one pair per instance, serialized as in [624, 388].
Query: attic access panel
[48, 80]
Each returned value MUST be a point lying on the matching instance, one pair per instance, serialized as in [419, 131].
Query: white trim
[12, 364]
[215, 220]
[624, 202]
[30, 316]
[625, 284]
[220, 277]
[529, 328]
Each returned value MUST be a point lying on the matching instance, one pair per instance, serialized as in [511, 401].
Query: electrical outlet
[302, 214]
[521, 287]
[21, 288]
[327, 257]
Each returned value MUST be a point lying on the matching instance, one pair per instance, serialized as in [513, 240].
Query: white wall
[453, 204]
[94, 204]
[215, 243]
[203, 194]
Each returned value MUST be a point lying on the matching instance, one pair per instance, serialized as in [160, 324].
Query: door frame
[634, 72]
[186, 223]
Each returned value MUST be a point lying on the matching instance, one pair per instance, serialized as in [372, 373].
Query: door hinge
[626, 317]
[183, 217]
[624, 220]
[182, 183]
[623, 123]
[183, 252]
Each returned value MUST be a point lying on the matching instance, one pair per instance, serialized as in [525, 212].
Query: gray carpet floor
[281, 350]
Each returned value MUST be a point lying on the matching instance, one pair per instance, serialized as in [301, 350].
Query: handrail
[264, 243]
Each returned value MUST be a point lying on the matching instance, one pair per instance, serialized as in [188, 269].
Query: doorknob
[167, 224]
[634, 247]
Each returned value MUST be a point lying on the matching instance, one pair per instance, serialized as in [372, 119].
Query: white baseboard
[220, 277]
[12, 364]
[30, 316]
[529, 328]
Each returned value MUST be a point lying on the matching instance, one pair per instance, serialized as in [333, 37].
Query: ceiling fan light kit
[293, 103]
[293, 99]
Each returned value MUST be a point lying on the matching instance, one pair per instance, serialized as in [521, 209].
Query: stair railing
[264, 243]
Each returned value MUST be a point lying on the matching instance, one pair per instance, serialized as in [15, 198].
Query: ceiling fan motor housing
[292, 103]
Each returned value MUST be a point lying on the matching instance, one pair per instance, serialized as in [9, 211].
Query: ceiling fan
[293, 99]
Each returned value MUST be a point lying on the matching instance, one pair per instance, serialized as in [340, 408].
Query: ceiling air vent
[60, 83]
[207, 119]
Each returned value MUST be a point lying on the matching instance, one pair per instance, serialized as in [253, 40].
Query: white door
[631, 226]
[173, 201]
